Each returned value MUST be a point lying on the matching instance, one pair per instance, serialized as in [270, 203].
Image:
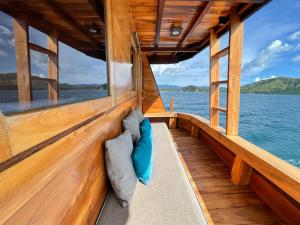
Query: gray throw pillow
[131, 123]
[120, 168]
[139, 115]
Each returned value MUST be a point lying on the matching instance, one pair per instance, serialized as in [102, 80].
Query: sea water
[270, 121]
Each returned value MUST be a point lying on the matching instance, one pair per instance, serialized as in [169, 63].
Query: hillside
[280, 85]
[167, 87]
[192, 88]
[8, 81]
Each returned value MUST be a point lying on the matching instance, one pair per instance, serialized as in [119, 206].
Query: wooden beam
[22, 60]
[196, 22]
[168, 49]
[40, 49]
[172, 122]
[172, 104]
[195, 131]
[221, 53]
[214, 77]
[240, 172]
[160, 11]
[53, 88]
[221, 109]
[234, 73]
[219, 82]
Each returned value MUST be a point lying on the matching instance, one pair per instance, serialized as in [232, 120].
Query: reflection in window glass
[8, 76]
[80, 77]
[39, 75]
[38, 38]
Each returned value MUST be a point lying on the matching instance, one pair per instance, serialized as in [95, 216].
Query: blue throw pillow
[142, 153]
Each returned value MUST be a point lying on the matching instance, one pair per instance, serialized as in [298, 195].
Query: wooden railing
[279, 172]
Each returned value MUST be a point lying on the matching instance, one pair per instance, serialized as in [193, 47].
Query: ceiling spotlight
[176, 31]
[93, 28]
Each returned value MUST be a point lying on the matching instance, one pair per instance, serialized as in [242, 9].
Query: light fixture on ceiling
[176, 31]
[93, 28]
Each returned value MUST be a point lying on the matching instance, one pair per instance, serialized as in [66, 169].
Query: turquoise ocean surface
[270, 121]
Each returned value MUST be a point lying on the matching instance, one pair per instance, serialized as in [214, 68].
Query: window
[54, 73]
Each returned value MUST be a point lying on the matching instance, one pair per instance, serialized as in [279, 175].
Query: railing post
[214, 76]
[172, 104]
[234, 73]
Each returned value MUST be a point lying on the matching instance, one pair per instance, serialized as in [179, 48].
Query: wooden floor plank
[224, 203]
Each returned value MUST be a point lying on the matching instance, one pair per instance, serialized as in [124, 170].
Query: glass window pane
[8, 76]
[37, 37]
[80, 77]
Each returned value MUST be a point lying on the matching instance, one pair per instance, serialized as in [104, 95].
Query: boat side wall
[53, 170]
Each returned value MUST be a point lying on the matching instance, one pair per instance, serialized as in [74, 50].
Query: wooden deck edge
[196, 191]
[279, 172]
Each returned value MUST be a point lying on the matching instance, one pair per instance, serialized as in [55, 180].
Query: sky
[74, 66]
[271, 49]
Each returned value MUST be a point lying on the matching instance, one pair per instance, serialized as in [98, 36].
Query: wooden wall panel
[119, 45]
[64, 182]
[29, 129]
[152, 102]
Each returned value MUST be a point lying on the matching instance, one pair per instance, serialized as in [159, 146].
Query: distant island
[8, 81]
[280, 85]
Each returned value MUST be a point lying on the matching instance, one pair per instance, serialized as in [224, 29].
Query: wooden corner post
[234, 73]
[53, 67]
[22, 60]
[214, 77]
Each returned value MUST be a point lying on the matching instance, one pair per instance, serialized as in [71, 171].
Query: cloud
[295, 36]
[4, 30]
[2, 42]
[3, 53]
[11, 42]
[296, 58]
[265, 58]
[264, 78]
[167, 69]
[39, 60]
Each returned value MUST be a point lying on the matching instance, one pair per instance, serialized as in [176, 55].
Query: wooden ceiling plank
[195, 23]
[160, 12]
[98, 9]
[168, 49]
[69, 19]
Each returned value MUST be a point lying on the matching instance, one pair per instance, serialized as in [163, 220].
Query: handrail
[279, 172]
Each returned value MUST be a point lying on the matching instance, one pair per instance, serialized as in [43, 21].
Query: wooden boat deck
[223, 202]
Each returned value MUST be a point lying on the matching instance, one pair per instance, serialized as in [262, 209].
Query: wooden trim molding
[29, 129]
[5, 152]
[282, 174]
